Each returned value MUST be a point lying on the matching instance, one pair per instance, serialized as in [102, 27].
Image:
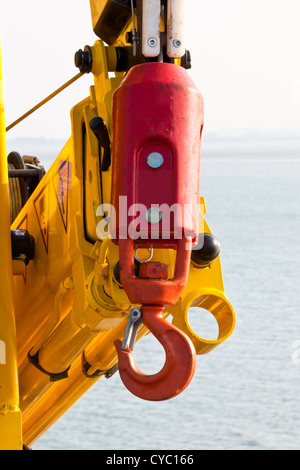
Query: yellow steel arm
[10, 415]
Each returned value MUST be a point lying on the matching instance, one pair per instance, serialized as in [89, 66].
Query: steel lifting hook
[179, 366]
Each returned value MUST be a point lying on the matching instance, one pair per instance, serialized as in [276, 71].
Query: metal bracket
[98, 373]
[54, 377]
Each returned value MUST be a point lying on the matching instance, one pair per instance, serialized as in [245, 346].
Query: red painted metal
[154, 291]
[157, 109]
[152, 270]
[179, 366]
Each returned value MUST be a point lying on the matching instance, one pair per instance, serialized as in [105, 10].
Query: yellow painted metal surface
[55, 322]
[68, 304]
[10, 415]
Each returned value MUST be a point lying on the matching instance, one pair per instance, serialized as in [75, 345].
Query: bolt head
[177, 43]
[153, 215]
[155, 160]
[152, 42]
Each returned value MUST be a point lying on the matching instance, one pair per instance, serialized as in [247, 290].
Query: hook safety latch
[133, 323]
[180, 362]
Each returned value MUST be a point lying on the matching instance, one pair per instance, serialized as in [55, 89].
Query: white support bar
[176, 28]
[151, 28]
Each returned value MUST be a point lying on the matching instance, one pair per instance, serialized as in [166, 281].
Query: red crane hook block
[179, 366]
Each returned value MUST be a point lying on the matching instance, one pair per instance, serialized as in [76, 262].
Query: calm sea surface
[246, 393]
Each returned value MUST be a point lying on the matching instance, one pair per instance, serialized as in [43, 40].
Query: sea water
[245, 394]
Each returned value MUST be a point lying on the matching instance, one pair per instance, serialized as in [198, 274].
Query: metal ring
[144, 260]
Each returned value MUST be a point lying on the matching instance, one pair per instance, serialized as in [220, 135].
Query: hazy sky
[245, 56]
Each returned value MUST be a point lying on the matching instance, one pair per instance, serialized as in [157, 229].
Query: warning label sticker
[41, 207]
[62, 185]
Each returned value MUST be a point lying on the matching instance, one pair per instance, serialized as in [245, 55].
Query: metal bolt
[177, 43]
[152, 42]
[153, 215]
[155, 159]
[84, 59]
[135, 312]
